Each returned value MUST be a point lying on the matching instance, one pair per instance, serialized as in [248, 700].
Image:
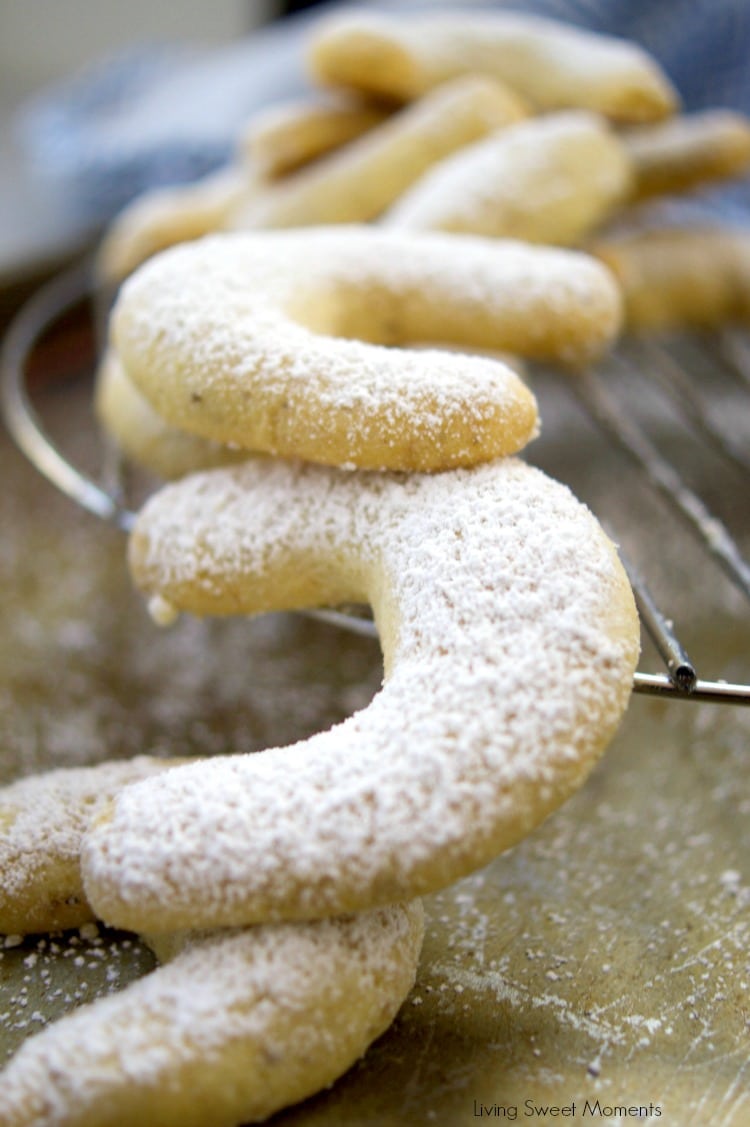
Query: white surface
[42, 42]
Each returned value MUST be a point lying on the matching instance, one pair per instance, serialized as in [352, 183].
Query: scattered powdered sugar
[509, 640]
[43, 977]
[302, 1001]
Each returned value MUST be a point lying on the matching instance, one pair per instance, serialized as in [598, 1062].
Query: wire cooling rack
[106, 496]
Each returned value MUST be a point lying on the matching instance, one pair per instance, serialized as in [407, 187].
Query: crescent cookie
[148, 441]
[165, 216]
[482, 582]
[42, 821]
[275, 341]
[548, 180]
[676, 277]
[284, 137]
[552, 65]
[236, 1026]
[275, 141]
[687, 151]
[360, 181]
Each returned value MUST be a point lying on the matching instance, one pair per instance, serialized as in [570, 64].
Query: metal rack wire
[680, 681]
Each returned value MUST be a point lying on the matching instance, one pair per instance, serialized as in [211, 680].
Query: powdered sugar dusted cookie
[552, 179]
[553, 65]
[678, 277]
[165, 216]
[42, 821]
[687, 151]
[477, 579]
[358, 182]
[234, 1027]
[283, 137]
[276, 341]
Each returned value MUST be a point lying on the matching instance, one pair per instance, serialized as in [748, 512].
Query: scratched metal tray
[603, 959]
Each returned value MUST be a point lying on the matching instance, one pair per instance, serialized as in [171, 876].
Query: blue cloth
[158, 115]
[704, 47]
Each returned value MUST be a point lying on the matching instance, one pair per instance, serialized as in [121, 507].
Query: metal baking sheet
[601, 965]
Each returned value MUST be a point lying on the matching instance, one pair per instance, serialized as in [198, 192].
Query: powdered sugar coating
[236, 1026]
[509, 638]
[275, 341]
[549, 180]
[42, 821]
